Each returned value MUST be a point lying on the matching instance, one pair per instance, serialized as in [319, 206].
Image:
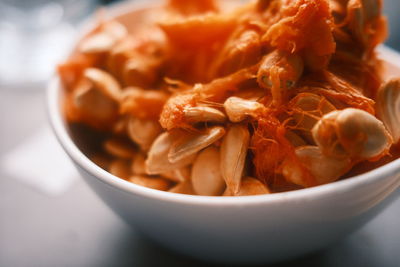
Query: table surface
[77, 229]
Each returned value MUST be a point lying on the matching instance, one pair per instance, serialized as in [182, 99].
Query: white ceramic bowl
[252, 229]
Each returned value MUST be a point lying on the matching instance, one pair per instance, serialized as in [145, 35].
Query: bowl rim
[59, 127]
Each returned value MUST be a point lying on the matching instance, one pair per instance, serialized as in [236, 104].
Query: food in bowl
[228, 99]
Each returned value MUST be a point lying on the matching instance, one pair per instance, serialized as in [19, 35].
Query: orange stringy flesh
[212, 51]
[269, 139]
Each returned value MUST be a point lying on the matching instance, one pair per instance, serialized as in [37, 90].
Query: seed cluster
[221, 98]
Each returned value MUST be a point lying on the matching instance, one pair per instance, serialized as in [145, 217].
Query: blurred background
[48, 216]
[391, 9]
[35, 34]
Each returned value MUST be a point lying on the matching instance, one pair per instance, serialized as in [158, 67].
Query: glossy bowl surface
[252, 229]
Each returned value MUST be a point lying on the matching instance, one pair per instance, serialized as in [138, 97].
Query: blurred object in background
[34, 36]
[392, 9]
[106, 2]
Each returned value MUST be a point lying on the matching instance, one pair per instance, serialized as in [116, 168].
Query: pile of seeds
[225, 99]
